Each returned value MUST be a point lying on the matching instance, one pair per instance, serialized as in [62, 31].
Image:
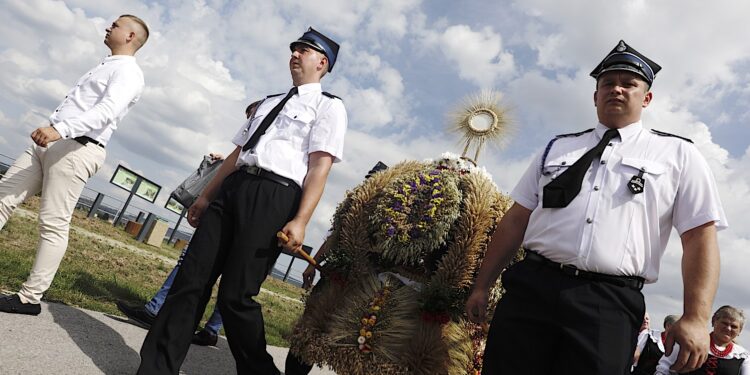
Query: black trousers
[236, 238]
[551, 323]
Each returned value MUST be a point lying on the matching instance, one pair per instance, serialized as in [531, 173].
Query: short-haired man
[594, 212]
[68, 151]
[271, 182]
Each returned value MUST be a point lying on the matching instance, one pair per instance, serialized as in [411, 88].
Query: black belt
[84, 140]
[633, 282]
[268, 175]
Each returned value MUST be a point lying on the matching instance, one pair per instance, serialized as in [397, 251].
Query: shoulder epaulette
[573, 134]
[328, 94]
[271, 96]
[665, 134]
[552, 141]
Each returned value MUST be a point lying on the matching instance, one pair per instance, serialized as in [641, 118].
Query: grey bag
[191, 188]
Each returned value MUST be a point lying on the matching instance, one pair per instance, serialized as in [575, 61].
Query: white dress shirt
[100, 99]
[737, 352]
[607, 228]
[649, 334]
[309, 122]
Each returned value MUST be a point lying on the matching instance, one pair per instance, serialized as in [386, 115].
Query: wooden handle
[282, 236]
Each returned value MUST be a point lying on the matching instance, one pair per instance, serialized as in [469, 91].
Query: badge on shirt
[637, 183]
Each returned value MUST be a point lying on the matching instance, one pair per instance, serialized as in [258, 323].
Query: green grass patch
[94, 274]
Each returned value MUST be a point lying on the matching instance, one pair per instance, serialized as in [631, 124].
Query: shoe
[205, 337]
[12, 304]
[138, 314]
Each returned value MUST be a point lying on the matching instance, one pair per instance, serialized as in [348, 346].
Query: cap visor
[625, 67]
[307, 43]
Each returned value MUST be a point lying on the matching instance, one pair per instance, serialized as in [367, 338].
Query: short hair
[670, 320]
[141, 23]
[730, 312]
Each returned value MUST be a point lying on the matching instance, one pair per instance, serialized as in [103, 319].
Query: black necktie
[267, 121]
[561, 191]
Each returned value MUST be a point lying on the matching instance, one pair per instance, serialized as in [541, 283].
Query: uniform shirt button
[596, 188]
[564, 162]
[609, 144]
[603, 162]
[589, 220]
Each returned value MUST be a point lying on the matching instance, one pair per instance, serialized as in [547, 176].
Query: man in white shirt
[594, 212]
[68, 151]
[271, 182]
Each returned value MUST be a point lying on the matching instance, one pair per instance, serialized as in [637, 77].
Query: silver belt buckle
[253, 169]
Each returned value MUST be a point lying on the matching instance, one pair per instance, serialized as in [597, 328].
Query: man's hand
[295, 231]
[692, 336]
[308, 276]
[45, 135]
[196, 211]
[215, 156]
[476, 306]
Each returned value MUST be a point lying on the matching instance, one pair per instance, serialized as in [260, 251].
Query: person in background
[725, 356]
[68, 150]
[650, 348]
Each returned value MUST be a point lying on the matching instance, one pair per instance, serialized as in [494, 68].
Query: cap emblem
[621, 47]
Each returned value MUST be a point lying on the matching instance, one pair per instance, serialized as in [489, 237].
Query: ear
[595, 93]
[323, 64]
[131, 36]
[647, 99]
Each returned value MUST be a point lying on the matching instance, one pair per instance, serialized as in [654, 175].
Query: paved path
[65, 340]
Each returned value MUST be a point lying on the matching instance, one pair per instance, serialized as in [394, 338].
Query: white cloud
[479, 55]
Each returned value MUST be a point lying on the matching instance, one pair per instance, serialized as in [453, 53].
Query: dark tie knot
[609, 134]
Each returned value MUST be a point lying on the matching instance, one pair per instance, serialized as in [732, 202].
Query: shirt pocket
[651, 169]
[296, 126]
[556, 166]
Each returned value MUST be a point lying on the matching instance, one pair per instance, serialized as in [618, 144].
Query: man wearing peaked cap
[593, 212]
[270, 183]
[319, 42]
[626, 58]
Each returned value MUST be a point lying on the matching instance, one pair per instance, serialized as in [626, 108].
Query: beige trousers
[59, 171]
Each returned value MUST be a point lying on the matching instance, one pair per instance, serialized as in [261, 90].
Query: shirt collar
[309, 87]
[118, 57]
[625, 133]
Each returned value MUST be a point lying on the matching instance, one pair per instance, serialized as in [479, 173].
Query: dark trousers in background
[236, 238]
[551, 323]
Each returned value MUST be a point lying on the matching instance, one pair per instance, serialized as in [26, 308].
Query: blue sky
[404, 64]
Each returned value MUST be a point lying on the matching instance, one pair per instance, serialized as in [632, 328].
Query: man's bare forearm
[505, 242]
[312, 189]
[700, 271]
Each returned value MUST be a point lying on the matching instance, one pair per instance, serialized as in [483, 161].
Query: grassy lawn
[94, 274]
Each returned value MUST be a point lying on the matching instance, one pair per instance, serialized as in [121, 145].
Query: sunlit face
[726, 330]
[620, 97]
[118, 33]
[306, 64]
[646, 323]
